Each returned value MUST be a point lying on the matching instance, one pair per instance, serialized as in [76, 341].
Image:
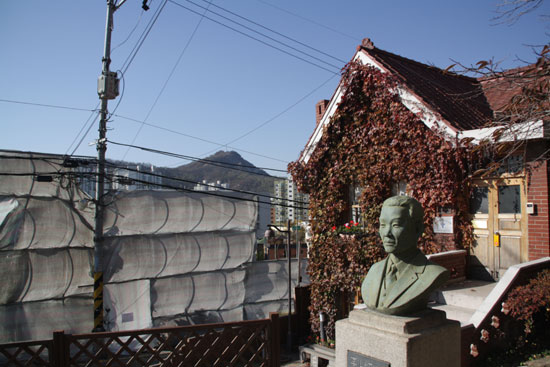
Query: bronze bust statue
[402, 282]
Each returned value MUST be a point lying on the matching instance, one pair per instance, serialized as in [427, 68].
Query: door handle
[496, 239]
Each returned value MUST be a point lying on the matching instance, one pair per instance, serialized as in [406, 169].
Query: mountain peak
[227, 167]
[229, 160]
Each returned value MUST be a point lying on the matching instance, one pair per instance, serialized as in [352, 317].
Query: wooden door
[500, 226]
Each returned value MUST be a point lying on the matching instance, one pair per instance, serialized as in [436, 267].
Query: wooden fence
[246, 343]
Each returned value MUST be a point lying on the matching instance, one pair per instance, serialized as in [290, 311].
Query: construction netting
[169, 258]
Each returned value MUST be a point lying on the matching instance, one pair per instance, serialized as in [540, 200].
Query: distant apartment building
[135, 177]
[86, 178]
[128, 178]
[288, 203]
[211, 186]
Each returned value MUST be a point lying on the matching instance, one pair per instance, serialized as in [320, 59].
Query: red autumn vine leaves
[373, 141]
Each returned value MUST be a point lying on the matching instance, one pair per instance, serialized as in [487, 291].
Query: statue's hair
[416, 212]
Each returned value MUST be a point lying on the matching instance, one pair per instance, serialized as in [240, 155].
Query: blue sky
[225, 85]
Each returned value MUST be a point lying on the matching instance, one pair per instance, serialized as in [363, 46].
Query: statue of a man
[401, 283]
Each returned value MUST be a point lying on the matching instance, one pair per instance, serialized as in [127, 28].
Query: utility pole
[289, 336]
[106, 84]
[107, 88]
[269, 234]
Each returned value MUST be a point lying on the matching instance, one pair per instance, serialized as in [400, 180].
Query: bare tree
[509, 11]
[519, 98]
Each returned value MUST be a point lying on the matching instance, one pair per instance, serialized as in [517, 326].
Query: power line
[47, 105]
[279, 114]
[206, 9]
[202, 160]
[271, 38]
[93, 161]
[110, 177]
[277, 33]
[114, 165]
[144, 123]
[197, 138]
[123, 80]
[84, 135]
[215, 163]
[311, 21]
[131, 32]
[167, 79]
[142, 38]
[93, 111]
[256, 39]
[82, 129]
[219, 194]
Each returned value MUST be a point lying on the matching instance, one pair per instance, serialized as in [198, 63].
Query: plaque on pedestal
[427, 338]
[361, 360]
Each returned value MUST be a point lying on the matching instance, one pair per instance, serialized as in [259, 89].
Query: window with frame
[399, 188]
[356, 212]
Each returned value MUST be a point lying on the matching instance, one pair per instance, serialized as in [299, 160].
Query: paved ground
[293, 360]
[542, 362]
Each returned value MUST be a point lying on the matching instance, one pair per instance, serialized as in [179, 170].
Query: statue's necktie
[391, 275]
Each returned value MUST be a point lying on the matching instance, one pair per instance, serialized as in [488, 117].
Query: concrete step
[457, 313]
[317, 355]
[460, 300]
[468, 294]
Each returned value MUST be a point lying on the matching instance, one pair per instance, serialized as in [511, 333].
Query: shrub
[521, 329]
[525, 302]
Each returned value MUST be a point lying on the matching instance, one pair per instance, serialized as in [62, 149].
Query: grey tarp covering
[267, 286]
[128, 305]
[45, 223]
[254, 311]
[191, 247]
[37, 320]
[161, 212]
[187, 294]
[169, 258]
[44, 274]
[200, 317]
[268, 281]
[138, 257]
[17, 169]
[46, 241]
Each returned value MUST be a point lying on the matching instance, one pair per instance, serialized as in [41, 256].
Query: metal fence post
[275, 339]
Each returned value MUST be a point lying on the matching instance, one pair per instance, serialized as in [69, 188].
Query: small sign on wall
[443, 224]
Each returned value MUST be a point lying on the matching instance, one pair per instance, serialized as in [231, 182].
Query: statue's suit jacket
[409, 293]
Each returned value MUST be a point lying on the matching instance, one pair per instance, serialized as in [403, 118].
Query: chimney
[320, 109]
[367, 43]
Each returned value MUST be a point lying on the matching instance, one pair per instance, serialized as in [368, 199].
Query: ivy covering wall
[373, 142]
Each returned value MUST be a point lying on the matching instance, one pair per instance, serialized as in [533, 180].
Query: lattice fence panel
[35, 353]
[244, 344]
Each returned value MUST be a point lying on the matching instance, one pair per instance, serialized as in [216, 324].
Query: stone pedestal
[369, 338]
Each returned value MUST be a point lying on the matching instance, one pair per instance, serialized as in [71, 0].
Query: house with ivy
[398, 126]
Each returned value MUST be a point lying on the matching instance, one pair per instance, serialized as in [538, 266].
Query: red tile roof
[500, 88]
[458, 99]
[462, 102]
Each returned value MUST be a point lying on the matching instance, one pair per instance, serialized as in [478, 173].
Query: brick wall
[281, 252]
[446, 241]
[538, 223]
[454, 261]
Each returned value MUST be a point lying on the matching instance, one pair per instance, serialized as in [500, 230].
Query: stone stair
[318, 355]
[460, 300]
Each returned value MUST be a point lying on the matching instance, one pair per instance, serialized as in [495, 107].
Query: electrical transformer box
[107, 85]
